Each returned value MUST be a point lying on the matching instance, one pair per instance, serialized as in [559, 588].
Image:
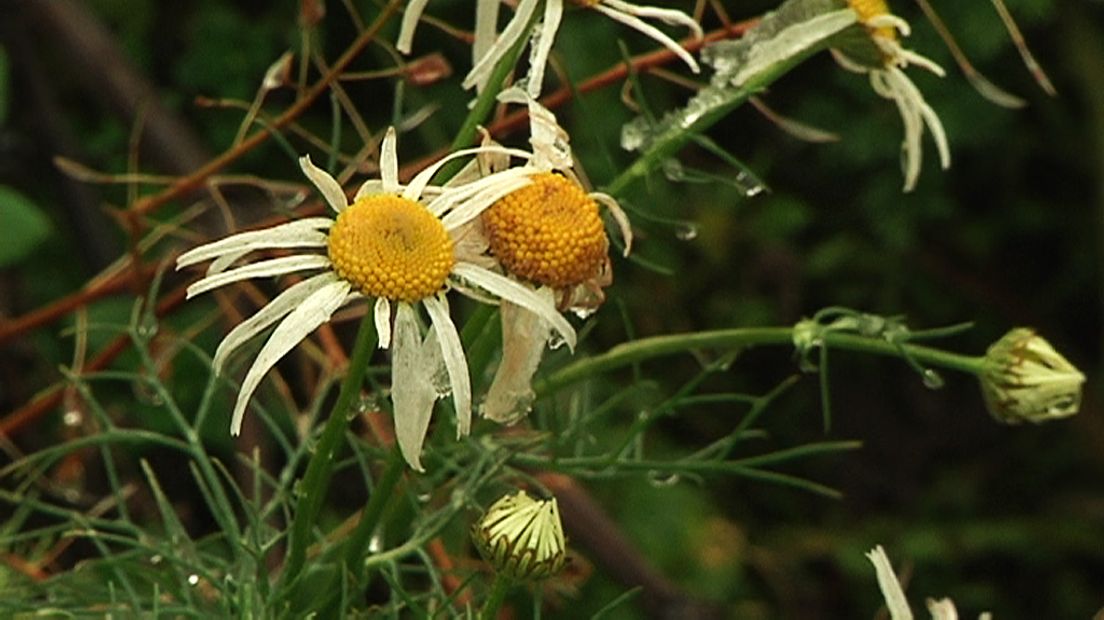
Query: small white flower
[405, 246]
[888, 80]
[490, 46]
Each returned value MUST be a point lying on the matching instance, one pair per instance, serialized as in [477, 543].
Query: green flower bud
[521, 537]
[1025, 379]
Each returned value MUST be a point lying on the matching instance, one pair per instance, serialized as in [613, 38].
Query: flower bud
[521, 537]
[1024, 379]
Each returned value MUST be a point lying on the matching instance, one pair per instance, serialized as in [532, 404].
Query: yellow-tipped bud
[1025, 379]
[521, 537]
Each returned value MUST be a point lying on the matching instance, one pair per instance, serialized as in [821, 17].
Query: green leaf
[23, 223]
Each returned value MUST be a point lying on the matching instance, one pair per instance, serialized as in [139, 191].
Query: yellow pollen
[869, 9]
[391, 247]
[548, 232]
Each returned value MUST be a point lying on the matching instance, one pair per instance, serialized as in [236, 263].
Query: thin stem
[316, 480]
[499, 589]
[658, 346]
[373, 512]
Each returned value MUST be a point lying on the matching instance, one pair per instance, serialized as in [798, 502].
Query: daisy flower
[889, 81]
[489, 46]
[404, 247]
[550, 235]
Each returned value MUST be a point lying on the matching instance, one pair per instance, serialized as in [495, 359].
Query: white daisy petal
[412, 391]
[410, 18]
[371, 187]
[273, 311]
[314, 311]
[262, 269]
[418, 184]
[382, 318]
[326, 184]
[667, 16]
[519, 294]
[389, 163]
[524, 338]
[652, 32]
[453, 353]
[891, 588]
[543, 38]
[486, 27]
[297, 233]
[470, 209]
[510, 35]
[618, 216]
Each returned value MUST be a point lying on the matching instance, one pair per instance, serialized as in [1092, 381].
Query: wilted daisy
[404, 246]
[884, 62]
[550, 235]
[489, 46]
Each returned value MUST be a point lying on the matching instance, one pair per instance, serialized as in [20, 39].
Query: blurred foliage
[1000, 519]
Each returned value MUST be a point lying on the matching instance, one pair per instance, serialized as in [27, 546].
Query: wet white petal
[382, 317]
[486, 27]
[667, 16]
[524, 338]
[651, 31]
[418, 184]
[389, 163]
[517, 293]
[314, 311]
[297, 233]
[510, 35]
[326, 184]
[480, 202]
[890, 586]
[412, 391]
[262, 269]
[453, 354]
[542, 42]
[410, 18]
[618, 216]
[371, 187]
[273, 311]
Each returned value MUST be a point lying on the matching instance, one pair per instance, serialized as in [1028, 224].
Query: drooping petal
[511, 181]
[412, 390]
[891, 588]
[519, 294]
[273, 311]
[314, 311]
[618, 216]
[297, 233]
[667, 16]
[453, 354]
[541, 45]
[524, 338]
[382, 317]
[326, 184]
[486, 28]
[389, 163]
[418, 184]
[652, 32]
[514, 30]
[262, 269]
[410, 18]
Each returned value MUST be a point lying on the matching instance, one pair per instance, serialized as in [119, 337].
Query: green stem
[316, 480]
[658, 346]
[373, 512]
[499, 589]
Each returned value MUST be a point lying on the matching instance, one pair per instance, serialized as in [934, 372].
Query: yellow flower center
[869, 9]
[391, 247]
[548, 232]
